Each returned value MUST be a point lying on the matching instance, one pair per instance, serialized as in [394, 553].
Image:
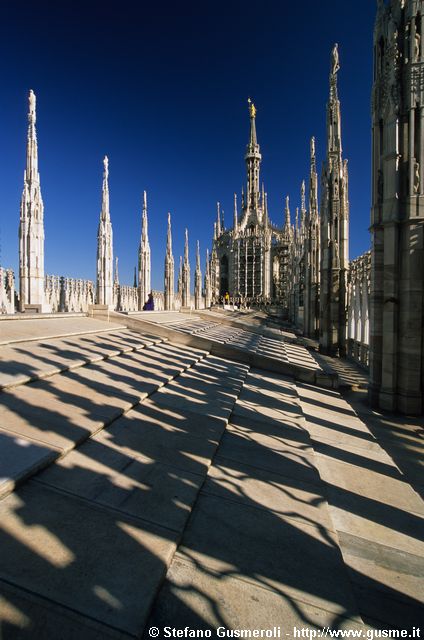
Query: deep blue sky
[161, 88]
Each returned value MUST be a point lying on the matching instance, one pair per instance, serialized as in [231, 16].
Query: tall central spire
[253, 160]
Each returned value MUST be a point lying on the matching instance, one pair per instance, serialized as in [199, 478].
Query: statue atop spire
[186, 246]
[252, 108]
[144, 217]
[32, 117]
[169, 236]
[105, 214]
[335, 64]
[106, 168]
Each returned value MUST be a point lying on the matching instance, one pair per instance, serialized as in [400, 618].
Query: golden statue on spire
[252, 108]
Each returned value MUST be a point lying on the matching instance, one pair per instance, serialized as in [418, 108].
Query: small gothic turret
[144, 259]
[186, 297]
[31, 226]
[169, 271]
[104, 281]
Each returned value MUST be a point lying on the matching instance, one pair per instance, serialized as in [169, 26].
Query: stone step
[106, 518]
[376, 513]
[29, 361]
[44, 420]
[259, 549]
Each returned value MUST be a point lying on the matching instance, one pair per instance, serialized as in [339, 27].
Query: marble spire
[169, 271]
[312, 247]
[253, 160]
[144, 259]
[31, 225]
[104, 280]
[180, 277]
[197, 280]
[186, 298]
[287, 220]
[218, 219]
[116, 278]
[334, 229]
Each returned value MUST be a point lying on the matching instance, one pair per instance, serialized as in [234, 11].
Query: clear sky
[162, 89]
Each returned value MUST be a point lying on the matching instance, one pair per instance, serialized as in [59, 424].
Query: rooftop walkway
[146, 483]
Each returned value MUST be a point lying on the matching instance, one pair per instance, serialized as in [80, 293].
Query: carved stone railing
[7, 291]
[158, 300]
[125, 297]
[68, 294]
[177, 301]
[358, 304]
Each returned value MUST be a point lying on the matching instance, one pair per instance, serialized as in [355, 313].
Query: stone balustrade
[358, 304]
[68, 294]
[158, 300]
[125, 297]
